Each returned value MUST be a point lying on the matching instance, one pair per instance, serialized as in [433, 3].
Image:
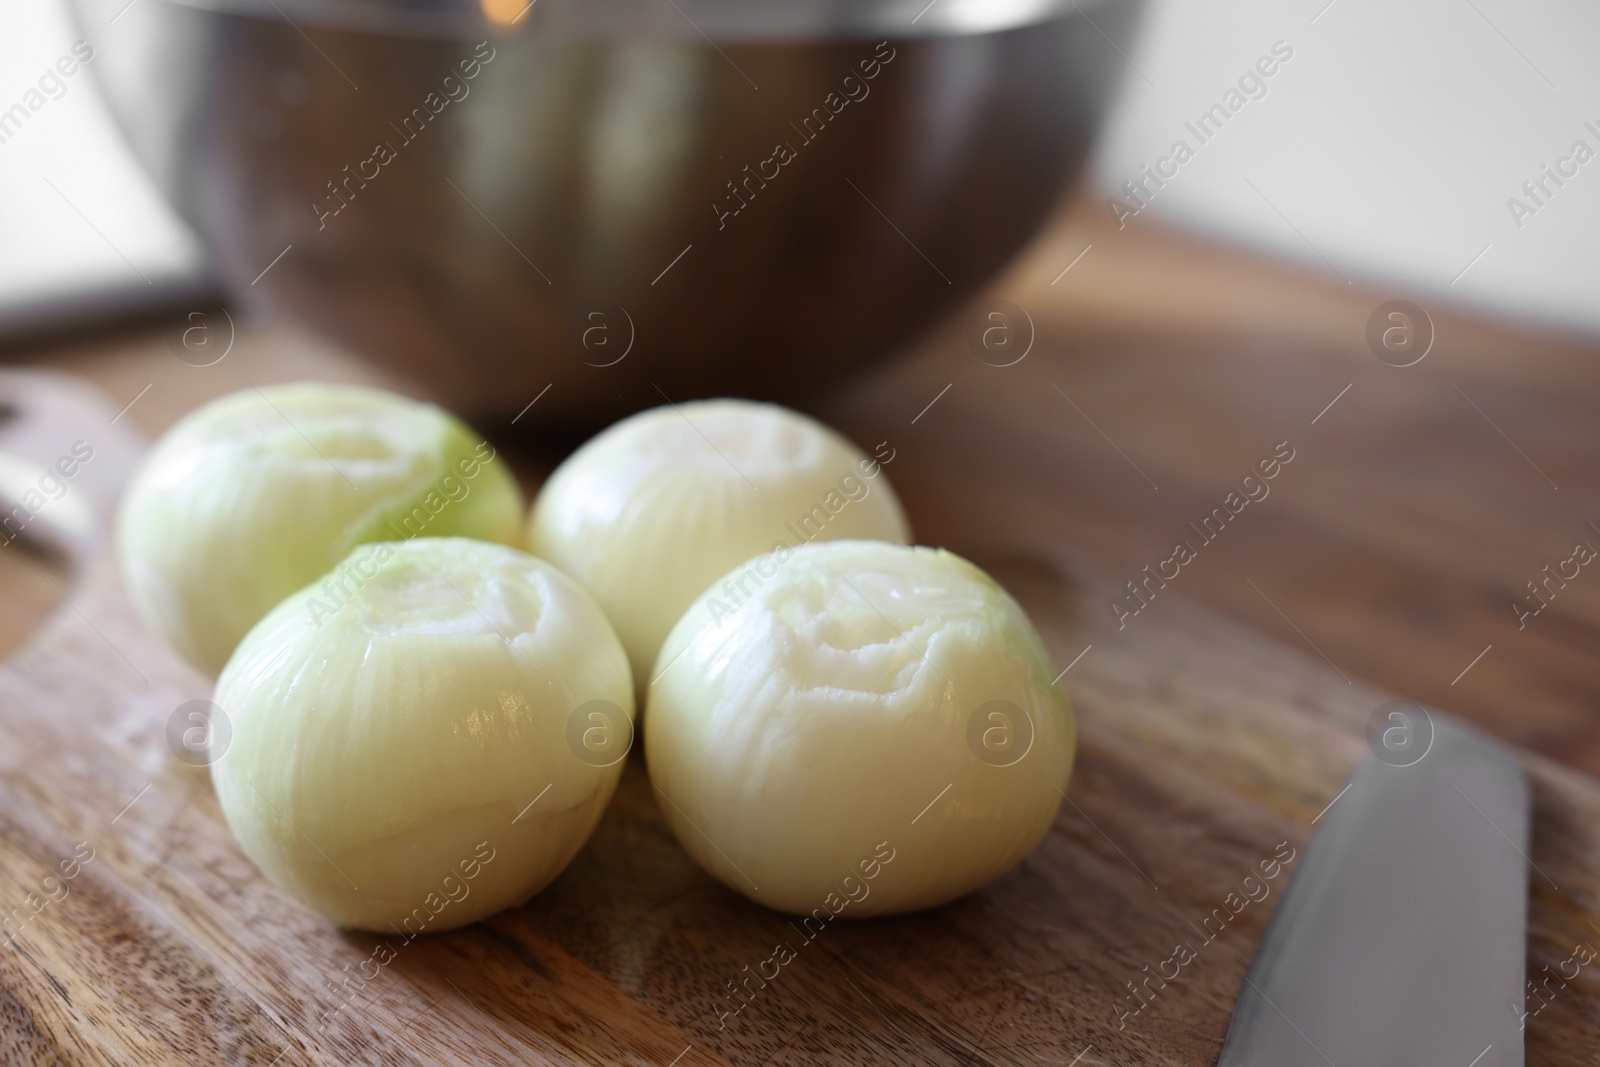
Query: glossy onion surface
[650, 512]
[254, 495]
[460, 699]
[861, 700]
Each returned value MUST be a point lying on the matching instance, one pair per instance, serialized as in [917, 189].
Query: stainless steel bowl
[618, 199]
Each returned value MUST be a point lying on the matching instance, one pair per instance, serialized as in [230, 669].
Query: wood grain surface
[1430, 495]
[1206, 743]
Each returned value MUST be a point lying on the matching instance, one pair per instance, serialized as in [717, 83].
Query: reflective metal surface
[721, 20]
[743, 198]
[1401, 940]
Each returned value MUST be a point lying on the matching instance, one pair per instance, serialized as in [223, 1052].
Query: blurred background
[1385, 150]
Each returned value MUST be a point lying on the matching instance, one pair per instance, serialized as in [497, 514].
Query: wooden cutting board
[1206, 749]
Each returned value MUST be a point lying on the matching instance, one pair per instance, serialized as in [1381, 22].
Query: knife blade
[1401, 940]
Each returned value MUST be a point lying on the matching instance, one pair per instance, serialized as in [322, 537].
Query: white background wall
[1390, 142]
[49, 244]
[1385, 149]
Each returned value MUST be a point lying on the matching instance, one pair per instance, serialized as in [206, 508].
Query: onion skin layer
[660, 505]
[255, 494]
[826, 720]
[379, 746]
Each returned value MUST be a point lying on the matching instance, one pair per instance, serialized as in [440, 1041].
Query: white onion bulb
[464, 699]
[858, 700]
[660, 505]
[254, 495]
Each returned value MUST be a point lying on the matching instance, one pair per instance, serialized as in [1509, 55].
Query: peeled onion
[465, 701]
[650, 512]
[861, 700]
[254, 495]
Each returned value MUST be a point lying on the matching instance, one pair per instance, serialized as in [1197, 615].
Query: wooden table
[1216, 722]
